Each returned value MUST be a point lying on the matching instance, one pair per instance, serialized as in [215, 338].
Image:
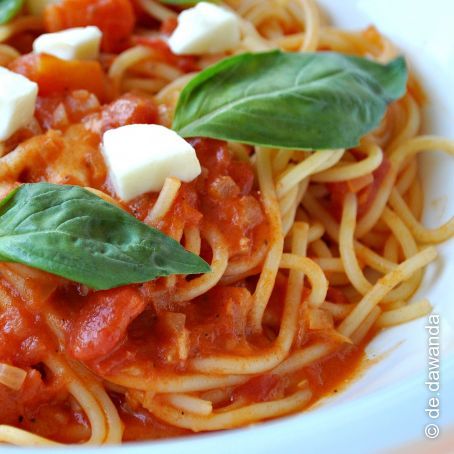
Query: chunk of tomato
[115, 18]
[126, 110]
[103, 321]
[55, 76]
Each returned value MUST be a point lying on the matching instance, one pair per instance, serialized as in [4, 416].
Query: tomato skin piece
[115, 18]
[56, 76]
[102, 322]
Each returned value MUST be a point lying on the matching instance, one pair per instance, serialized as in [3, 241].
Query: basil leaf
[72, 233]
[289, 100]
[9, 9]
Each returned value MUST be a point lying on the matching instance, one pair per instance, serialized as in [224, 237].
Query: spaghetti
[311, 253]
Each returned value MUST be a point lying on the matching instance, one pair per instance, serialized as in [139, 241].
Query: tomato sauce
[43, 404]
[139, 325]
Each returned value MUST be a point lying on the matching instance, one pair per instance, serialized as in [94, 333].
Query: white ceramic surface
[385, 408]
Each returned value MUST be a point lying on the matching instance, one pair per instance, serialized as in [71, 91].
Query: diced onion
[12, 377]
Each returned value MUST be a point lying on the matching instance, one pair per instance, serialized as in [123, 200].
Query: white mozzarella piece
[205, 29]
[17, 102]
[80, 43]
[37, 7]
[140, 158]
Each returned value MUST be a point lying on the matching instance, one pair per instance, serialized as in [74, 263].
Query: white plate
[385, 408]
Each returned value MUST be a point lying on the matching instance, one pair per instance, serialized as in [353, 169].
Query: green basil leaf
[9, 9]
[72, 233]
[289, 100]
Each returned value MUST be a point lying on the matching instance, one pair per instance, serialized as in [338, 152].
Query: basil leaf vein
[9, 9]
[70, 232]
[290, 100]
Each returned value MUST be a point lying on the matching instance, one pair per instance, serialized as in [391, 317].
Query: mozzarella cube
[17, 102]
[37, 7]
[141, 157]
[81, 43]
[205, 29]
